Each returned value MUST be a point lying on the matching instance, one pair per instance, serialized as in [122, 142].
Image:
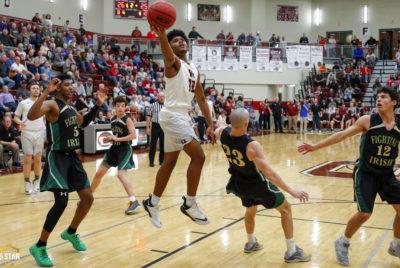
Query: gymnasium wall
[343, 15]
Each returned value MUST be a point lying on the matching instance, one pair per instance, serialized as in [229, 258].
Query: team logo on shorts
[336, 169]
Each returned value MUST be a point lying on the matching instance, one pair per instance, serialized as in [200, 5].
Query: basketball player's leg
[197, 158]
[98, 176]
[125, 182]
[286, 219]
[249, 223]
[394, 247]
[27, 168]
[164, 172]
[38, 250]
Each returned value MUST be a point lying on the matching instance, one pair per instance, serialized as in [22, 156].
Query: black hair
[392, 93]
[63, 77]
[119, 99]
[32, 84]
[174, 33]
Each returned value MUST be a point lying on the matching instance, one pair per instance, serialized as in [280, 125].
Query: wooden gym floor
[117, 240]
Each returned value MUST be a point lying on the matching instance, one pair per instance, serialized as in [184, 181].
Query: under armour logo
[63, 193]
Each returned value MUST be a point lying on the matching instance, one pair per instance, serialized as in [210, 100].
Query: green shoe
[74, 239]
[40, 255]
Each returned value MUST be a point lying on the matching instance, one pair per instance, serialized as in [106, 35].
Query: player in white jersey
[182, 83]
[32, 138]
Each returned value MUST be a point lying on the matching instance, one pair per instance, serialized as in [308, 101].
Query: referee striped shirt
[155, 109]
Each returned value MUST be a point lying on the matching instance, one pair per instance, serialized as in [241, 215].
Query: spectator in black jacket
[303, 39]
[194, 34]
[5, 39]
[5, 73]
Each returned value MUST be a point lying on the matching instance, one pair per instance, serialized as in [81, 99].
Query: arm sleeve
[87, 118]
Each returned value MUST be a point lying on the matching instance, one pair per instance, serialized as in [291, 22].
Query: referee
[156, 131]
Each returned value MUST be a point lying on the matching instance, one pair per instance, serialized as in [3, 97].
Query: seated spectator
[357, 93]
[337, 120]
[134, 102]
[319, 79]
[331, 78]
[8, 141]
[46, 69]
[5, 39]
[241, 39]
[101, 119]
[348, 94]
[7, 101]
[88, 101]
[80, 88]
[22, 92]
[80, 105]
[222, 119]
[230, 39]
[331, 110]
[114, 75]
[250, 39]
[239, 103]
[358, 53]
[144, 104]
[42, 59]
[35, 68]
[304, 39]
[323, 68]
[5, 73]
[70, 64]
[220, 38]
[19, 72]
[58, 60]
[371, 58]
[273, 41]
[324, 118]
[253, 121]
[100, 63]
[118, 91]
[84, 64]
[365, 73]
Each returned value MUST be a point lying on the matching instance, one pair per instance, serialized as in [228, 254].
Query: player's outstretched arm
[132, 132]
[254, 153]
[42, 107]
[170, 60]
[362, 124]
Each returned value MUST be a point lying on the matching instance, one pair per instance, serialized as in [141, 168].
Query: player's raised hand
[306, 148]
[160, 31]
[301, 195]
[53, 85]
[101, 96]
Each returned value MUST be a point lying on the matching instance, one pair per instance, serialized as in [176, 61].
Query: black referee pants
[156, 133]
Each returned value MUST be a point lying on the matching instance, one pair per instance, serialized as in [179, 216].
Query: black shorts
[256, 193]
[367, 185]
[119, 156]
[63, 170]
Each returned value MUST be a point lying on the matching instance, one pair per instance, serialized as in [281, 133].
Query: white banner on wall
[292, 56]
[262, 59]
[214, 58]
[230, 59]
[246, 57]
[316, 56]
[199, 57]
[304, 56]
[275, 60]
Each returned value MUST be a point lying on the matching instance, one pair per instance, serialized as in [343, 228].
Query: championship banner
[199, 57]
[214, 58]
[246, 57]
[262, 59]
[292, 56]
[316, 56]
[304, 56]
[275, 60]
[230, 59]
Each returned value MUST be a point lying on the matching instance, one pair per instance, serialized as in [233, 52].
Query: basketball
[162, 13]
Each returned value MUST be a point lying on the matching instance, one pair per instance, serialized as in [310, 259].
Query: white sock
[396, 241]
[291, 246]
[251, 238]
[154, 200]
[132, 198]
[345, 239]
[190, 200]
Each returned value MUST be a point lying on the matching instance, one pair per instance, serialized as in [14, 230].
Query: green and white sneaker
[75, 240]
[40, 255]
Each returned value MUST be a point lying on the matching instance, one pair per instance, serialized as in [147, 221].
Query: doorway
[392, 37]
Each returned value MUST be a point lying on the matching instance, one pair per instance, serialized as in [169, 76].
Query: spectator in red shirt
[113, 74]
[228, 106]
[337, 119]
[264, 117]
[151, 39]
[137, 35]
[292, 111]
[365, 73]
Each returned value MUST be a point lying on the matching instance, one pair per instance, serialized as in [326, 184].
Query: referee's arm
[148, 121]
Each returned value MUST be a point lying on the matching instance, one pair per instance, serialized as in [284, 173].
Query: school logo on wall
[336, 169]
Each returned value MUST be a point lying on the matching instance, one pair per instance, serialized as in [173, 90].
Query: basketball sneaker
[297, 256]
[394, 251]
[75, 241]
[133, 206]
[28, 187]
[153, 212]
[251, 247]
[342, 252]
[40, 256]
[194, 213]
[36, 185]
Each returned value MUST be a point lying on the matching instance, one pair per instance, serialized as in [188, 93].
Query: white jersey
[22, 111]
[179, 90]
